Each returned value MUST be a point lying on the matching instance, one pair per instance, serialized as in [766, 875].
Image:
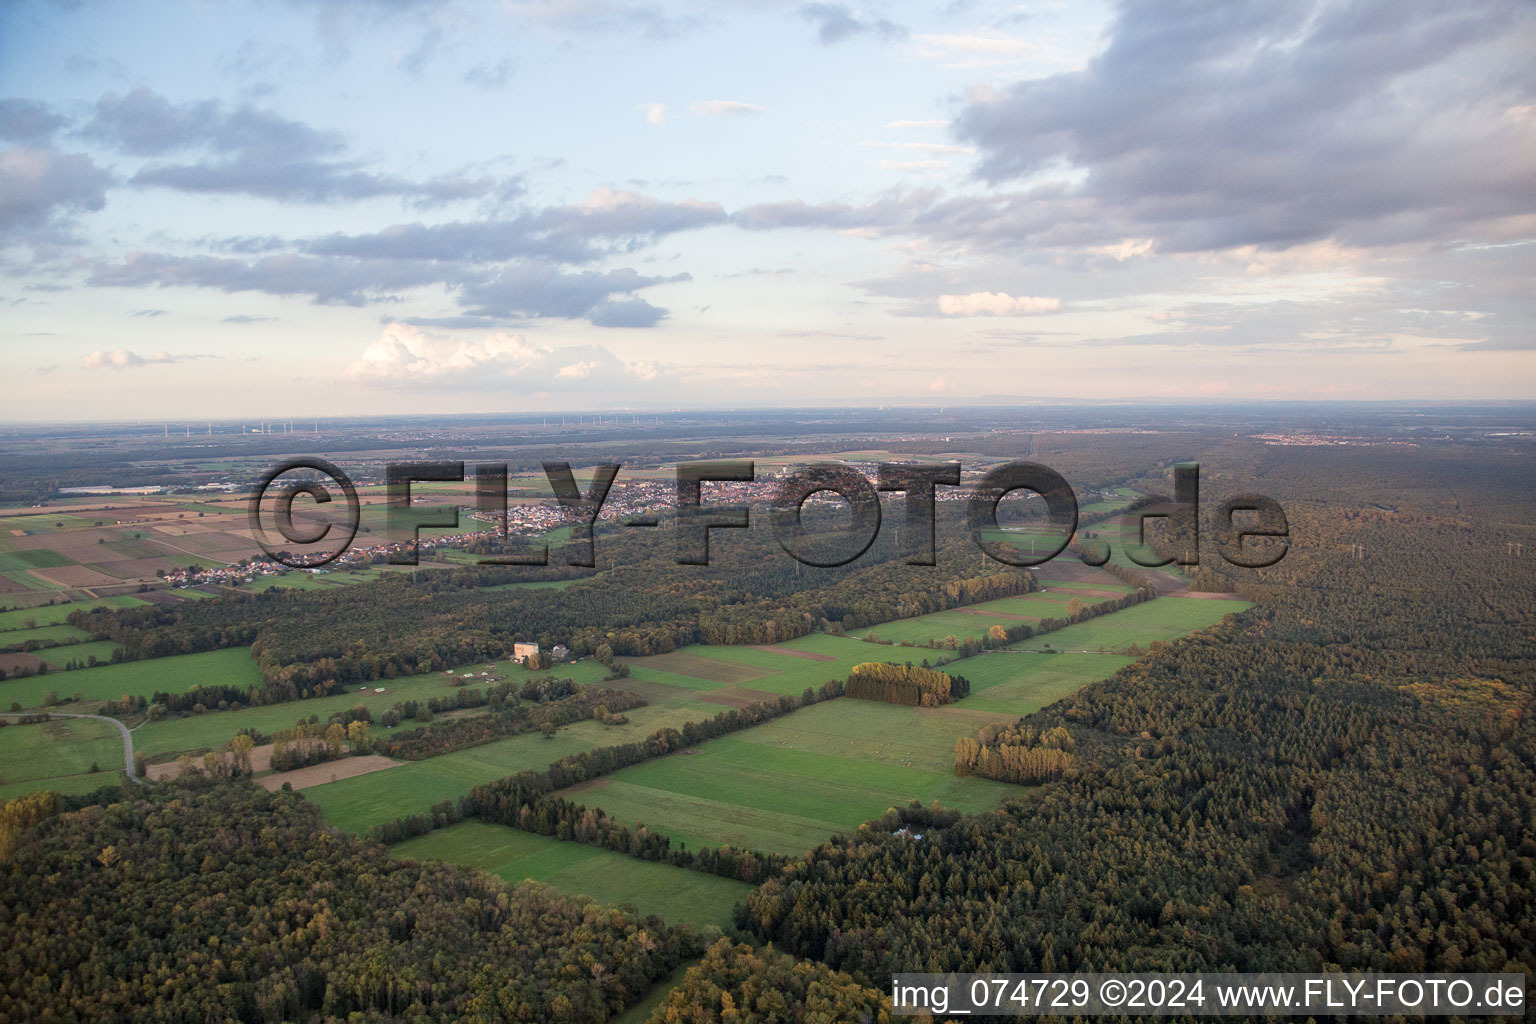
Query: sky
[303, 208]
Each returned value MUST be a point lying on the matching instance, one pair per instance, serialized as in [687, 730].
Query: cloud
[895, 209]
[1272, 124]
[589, 16]
[148, 313]
[836, 22]
[39, 185]
[534, 290]
[995, 304]
[123, 359]
[656, 113]
[913, 165]
[491, 76]
[625, 313]
[917, 124]
[972, 49]
[255, 152]
[247, 318]
[499, 270]
[327, 281]
[607, 220]
[405, 355]
[726, 108]
[922, 147]
[24, 120]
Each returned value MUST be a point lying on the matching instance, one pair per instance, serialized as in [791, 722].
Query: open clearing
[58, 755]
[682, 663]
[1164, 618]
[328, 771]
[790, 784]
[977, 619]
[1016, 685]
[676, 895]
[361, 803]
[232, 666]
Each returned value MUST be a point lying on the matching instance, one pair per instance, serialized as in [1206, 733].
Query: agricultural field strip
[676, 894]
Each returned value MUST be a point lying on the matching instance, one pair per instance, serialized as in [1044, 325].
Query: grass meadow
[676, 895]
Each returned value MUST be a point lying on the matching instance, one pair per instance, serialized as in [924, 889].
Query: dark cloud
[626, 313]
[535, 290]
[837, 22]
[148, 314]
[1270, 123]
[37, 186]
[895, 210]
[23, 120]
[248, 318]
[326, 280]
[609, 221]
[144, 123]
[255, 152]
[307, 181]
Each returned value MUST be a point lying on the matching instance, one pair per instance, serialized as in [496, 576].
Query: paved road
[127, 737]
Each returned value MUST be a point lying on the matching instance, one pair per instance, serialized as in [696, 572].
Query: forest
[201, 901]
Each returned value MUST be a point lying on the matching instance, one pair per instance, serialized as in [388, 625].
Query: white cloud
[405, 355]
[726, 108]
[123, 359]
[995, 304]
[922, 147]
[913, 165]
[961, 50]
[656, 113]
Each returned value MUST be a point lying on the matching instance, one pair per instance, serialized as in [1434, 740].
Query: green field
[359, 803]
[214, 729]
[963, 623]
[42, 636]
[53, 614]
[677, 895]
[1017, 684]
[58, 755]
[81, 653]
[33, 558]
[26, 579]
[232, 667]
[787, 674]
[1164, 618]
[788, 785]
